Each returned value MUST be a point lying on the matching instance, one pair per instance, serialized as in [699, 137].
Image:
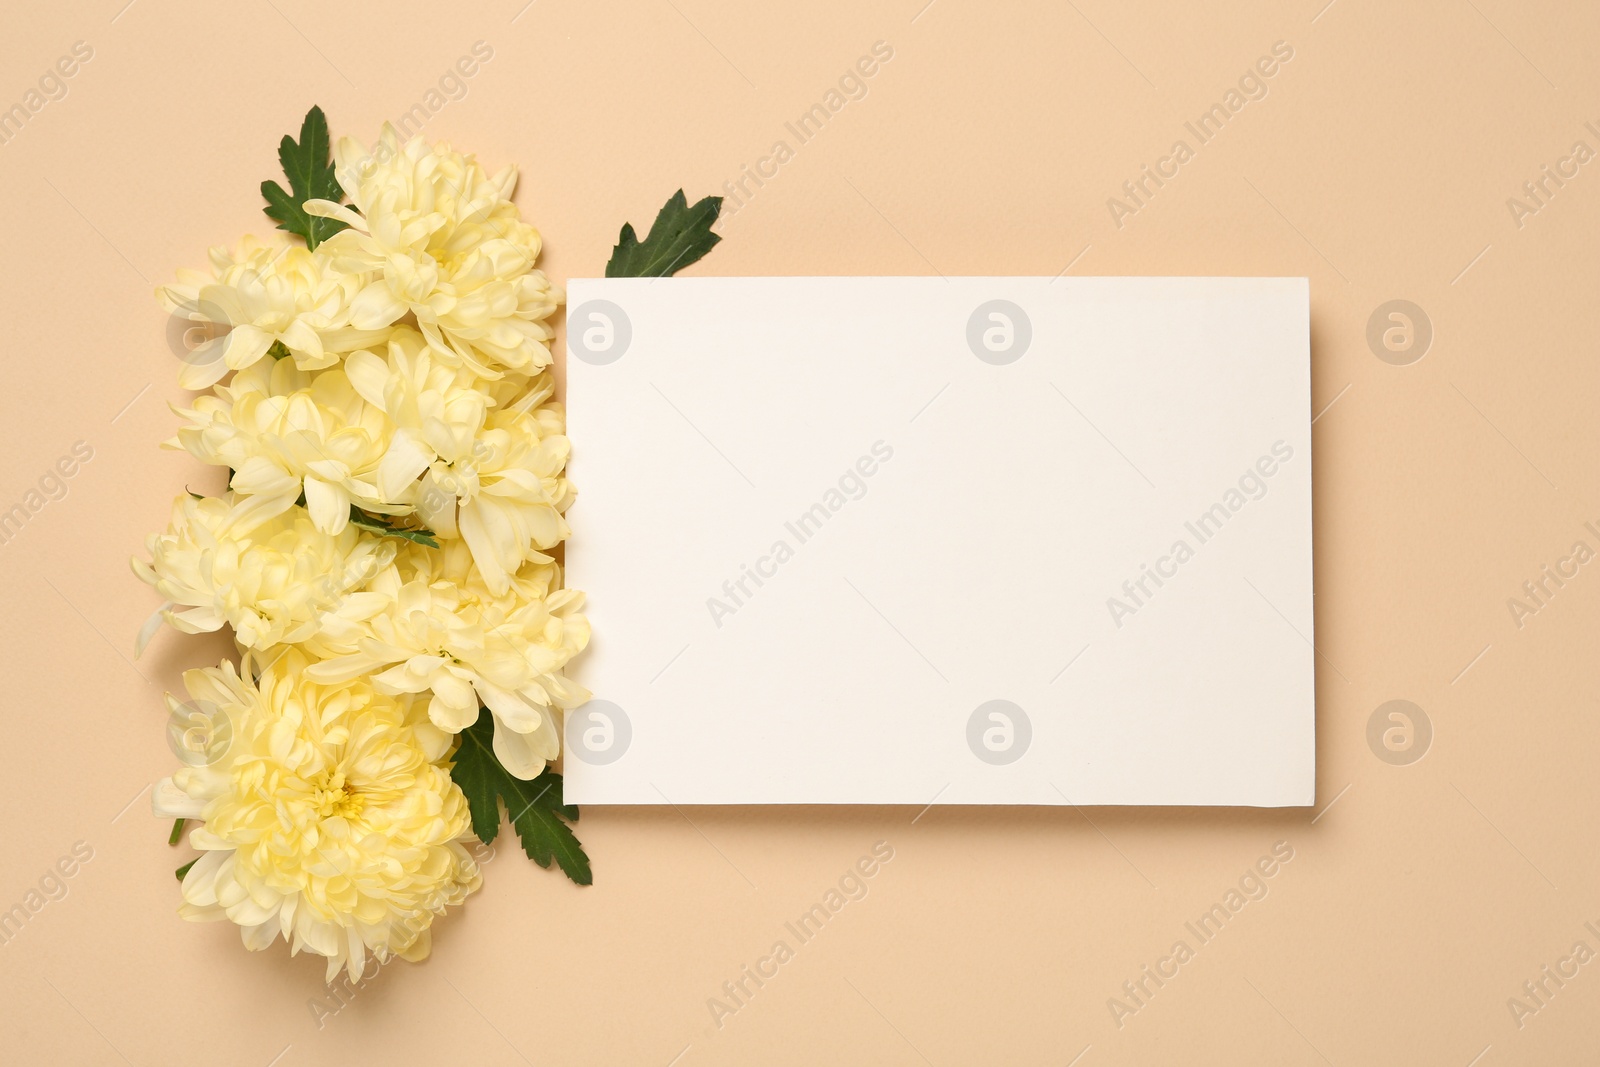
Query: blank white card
[965, 541]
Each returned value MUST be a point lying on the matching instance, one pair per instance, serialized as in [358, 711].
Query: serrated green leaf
[680, 235]
[535, 808]
[375, 524]
[309, 168]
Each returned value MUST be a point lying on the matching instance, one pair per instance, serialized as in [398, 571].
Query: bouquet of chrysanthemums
[377, 384]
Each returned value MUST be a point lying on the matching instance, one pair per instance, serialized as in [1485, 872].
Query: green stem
[177, 832]
[181, 871]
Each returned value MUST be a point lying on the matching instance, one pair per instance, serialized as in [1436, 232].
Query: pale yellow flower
[435, 408]
[446, 633]
[506, 496]
[284, 432]
[330, 818]
[491, 469]
[274, 581]
[442, 241]
[260, 294]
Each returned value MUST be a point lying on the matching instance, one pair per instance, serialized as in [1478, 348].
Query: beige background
[1420, 898]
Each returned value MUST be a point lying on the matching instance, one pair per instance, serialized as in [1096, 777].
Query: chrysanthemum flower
[435, 408]
[274, 581]
[492, 475]
[330, 819]
[284, 432]
[445, 633]
[506, 497]
[442, 241]
[260, 294]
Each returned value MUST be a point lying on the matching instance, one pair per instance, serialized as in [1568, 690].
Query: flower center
[338, 799]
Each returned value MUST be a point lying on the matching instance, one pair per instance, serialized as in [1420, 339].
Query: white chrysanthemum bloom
[435, 408]
[505, 496]
[263, 294]
[330, 818]
[284, 432]
[492, 476]
[446, 633]
[442, 241]
[278, 581]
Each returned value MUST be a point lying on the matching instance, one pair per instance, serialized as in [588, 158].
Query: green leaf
[181, 871]
[381, 526]
[311, 176]
[535, 807]
[378, 524]
[680, 236]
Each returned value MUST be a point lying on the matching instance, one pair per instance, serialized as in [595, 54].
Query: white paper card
[965, 541]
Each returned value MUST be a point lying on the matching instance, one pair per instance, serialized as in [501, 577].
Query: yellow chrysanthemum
[446, 633]
[442, 242]
[260, 294]
[329, 819]
[274, 581]
[506, 497]
[285, 432]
